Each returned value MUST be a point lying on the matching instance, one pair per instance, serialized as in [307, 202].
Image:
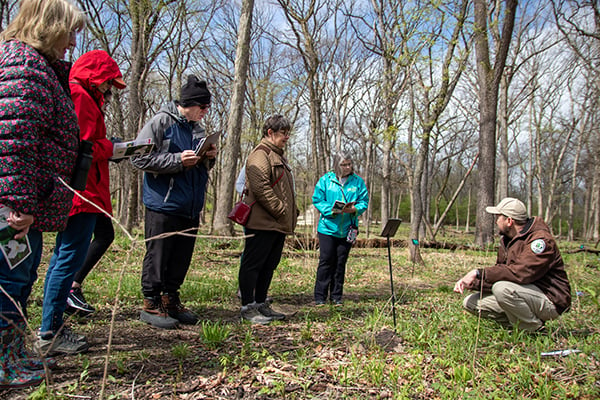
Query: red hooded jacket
[88, 72]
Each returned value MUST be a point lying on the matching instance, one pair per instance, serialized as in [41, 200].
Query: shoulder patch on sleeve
[538, 246]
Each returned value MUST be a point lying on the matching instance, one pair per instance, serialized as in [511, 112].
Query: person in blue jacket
[341, 197]
[175, 179]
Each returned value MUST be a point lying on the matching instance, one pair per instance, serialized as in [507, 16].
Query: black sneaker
[77, 301]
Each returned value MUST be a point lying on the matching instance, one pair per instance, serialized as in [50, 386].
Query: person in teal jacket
[341, 197]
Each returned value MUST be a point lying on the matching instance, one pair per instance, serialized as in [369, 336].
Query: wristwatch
[478, 273]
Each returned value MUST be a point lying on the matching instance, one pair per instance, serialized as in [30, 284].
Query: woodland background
[445, 105]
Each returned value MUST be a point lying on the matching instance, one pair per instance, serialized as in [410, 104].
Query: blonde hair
[43, 24]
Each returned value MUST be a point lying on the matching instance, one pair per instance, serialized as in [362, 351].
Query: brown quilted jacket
[270, 185]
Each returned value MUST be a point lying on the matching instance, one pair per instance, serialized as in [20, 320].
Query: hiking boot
[172, 304]
[266, 310]
[250, 313]
[77, 301]
[155, 314]
[12, 374]
[64, 342]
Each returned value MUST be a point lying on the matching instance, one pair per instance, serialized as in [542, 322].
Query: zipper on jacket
[194, 173]
[171, 182]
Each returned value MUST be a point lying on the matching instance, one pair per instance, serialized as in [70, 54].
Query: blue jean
[69, 254]
[19, 281]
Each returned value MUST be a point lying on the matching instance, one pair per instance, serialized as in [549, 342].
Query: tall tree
[433, 98]
[531, 37]
[231, 153]
[502, 13]
[579, 22]
[308, 22]
[391, 32]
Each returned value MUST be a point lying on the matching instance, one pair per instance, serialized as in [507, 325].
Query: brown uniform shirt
[531, 257]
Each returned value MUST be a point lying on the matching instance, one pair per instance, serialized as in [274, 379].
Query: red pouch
[240, 213]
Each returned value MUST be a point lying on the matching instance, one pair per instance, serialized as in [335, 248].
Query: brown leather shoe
[172, 304]
[155, 314]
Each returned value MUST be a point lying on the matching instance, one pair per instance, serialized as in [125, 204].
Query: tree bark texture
[488, 77]
[231, 152]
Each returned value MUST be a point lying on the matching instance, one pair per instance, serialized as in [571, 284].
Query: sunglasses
[204, 106]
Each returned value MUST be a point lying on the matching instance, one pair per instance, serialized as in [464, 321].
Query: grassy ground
[434, 350]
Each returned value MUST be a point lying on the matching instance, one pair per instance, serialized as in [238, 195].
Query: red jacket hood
[92, 69]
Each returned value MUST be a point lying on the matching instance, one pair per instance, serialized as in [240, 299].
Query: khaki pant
[509, 303]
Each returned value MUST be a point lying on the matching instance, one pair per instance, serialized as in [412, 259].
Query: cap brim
[119, 83]
[492, 210]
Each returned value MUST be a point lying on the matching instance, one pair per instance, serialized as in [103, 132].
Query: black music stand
[390, 229]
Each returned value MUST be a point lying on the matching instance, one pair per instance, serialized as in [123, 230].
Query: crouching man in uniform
[528, 285]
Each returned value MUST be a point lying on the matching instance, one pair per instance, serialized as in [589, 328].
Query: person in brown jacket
[270, 190]
[529, 284]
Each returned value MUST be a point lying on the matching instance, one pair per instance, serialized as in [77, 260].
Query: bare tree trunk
[502, 191]
[439, 223]
[222, 225]
[139, 14]
[417, 202]
[530, 169]
[571, 216]
[467, 223]
[538, 168]
[489, 80]
[385, 184]
[595, 198]
[433, 105]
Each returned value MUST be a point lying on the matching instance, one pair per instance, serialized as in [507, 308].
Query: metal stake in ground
[389, 230]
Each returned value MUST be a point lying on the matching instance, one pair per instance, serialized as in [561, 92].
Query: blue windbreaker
[327, 191]
[169, 188]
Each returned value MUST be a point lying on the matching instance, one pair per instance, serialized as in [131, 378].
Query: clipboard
[391, 227]
[205, 143]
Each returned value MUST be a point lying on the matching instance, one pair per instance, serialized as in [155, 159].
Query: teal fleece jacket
[327, 191]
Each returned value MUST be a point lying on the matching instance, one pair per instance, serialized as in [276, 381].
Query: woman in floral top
[38, 146]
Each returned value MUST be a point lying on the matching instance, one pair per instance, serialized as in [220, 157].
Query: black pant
[167, 260]
[104, 234]
[261, 256]
[332, 267]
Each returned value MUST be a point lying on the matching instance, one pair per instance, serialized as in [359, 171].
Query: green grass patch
[434, 350]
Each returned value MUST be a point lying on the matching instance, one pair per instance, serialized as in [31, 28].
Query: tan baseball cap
[510, 207]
